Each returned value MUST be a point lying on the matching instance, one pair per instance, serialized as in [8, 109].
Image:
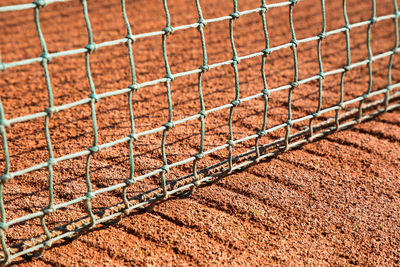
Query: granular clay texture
[332, 201]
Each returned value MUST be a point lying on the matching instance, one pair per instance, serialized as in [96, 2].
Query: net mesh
[343, 118]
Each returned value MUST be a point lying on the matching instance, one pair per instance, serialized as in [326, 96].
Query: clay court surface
[332, 201]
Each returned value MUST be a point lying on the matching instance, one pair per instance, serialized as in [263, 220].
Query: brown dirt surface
[333, 201]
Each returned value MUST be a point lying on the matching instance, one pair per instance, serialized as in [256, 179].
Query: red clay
[335, 201]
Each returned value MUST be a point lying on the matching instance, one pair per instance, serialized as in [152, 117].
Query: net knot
[373, 20]
[204, 68]
[265, 92]
[199, 155]
[5, 178]
[169, 125]
[90, 195]
[289, 123]
[50, 111]
[396, 50]
[3, 226]
[45, 58]
[169, 77]
[51, 162]
[235, 60]
[266, 52]
[261, 133]
[2, 66]
[294, 43]
[322, 35]
[346, 68]
[4, 123]
[230, 143]
[340, 105]
[40, 3]
[294, 85]
[293, 2]
[94, 149]
[129, 181]
[263, 8]
[315, 114]
[134, 87]
[164, 168]
[196, 183]
[47, 211]
[365, 96]
[370, 60]
[91, 48]
[47, 244]
[94, 97]
[133, 136]
[321, 75]
[347, 27]
[236, 102]
[203, 113]
[202, 23]
[235, 15]
[168, 30]
[129, 38]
